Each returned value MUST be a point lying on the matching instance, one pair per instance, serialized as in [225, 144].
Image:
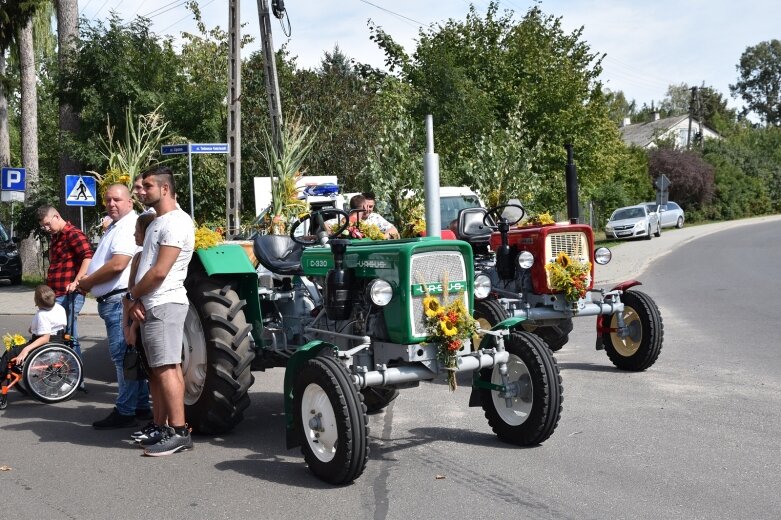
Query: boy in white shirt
[49, 321]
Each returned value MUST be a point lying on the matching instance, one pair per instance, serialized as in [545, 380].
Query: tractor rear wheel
[331, 419]
[640, 349]
[535, 410]
[216, 357]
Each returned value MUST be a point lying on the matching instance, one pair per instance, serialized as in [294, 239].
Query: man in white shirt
[107, 279]
[160, 305]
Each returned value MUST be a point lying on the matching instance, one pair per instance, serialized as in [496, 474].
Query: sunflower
[431, 306]
[563, 259]
[448, 329]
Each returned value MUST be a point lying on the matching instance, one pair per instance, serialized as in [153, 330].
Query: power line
[165, 8]
[99, 10]
[395, 14]
[162, 31]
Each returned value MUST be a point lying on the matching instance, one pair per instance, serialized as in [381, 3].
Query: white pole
[190, 163]
[81, 217]
[431, 183]
[12, 219]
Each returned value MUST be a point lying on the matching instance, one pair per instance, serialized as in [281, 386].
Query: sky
[648, 45]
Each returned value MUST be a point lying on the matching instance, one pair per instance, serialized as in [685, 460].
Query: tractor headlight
[482, 286]
[602, 255]
[380, 292]
[525, 260]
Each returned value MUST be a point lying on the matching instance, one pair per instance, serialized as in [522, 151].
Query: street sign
[80, 191]
[209, 148]
[662, 183]
[173, 149]
[12, 179]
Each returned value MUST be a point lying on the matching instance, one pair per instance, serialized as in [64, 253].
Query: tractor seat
[471, 228]
[279, 254]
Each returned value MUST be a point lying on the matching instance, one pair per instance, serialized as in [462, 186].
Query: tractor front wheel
[331, 419]
[533, 375]
[641, 347]
[216, 357]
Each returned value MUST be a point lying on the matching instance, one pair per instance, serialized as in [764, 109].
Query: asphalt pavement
[630, 259]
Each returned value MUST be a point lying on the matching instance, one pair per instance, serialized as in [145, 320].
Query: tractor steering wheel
[510, 213]
[319, 218]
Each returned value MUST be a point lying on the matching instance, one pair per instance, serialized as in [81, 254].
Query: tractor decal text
[438, 288]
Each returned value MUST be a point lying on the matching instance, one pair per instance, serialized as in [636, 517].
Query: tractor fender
[303, 354]
[623, 286]
[507, 323]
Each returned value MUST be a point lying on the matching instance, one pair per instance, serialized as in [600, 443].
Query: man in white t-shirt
[160, 305]
[107, 280]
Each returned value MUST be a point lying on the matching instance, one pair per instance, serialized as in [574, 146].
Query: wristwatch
[129, 296]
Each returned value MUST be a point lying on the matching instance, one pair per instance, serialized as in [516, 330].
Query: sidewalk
[630, 260]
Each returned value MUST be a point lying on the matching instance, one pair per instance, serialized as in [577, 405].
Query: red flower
[454, 345]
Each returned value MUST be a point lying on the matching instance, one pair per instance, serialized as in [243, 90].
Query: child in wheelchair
[46, 367]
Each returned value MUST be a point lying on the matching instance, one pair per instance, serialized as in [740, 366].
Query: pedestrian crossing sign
[80, 191]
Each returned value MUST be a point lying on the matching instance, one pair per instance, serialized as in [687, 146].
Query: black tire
[679, 223]
[533, 417]
[658, 230]
[641, 348]
[52, 373]
[216, 357]
[554, 336]
[487, 314]
[16, 280]
[377, 398]
[648, 236]
[331, 420]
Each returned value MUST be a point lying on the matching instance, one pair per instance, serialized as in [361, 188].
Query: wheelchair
[51, 373]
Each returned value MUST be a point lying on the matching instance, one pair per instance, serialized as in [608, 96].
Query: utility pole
[270, 71]
[233, 185]
[691, 117]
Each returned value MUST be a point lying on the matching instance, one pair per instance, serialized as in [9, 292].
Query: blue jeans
[133, 395]
[78, 302]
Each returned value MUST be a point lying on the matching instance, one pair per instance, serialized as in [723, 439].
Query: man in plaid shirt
[69, 257]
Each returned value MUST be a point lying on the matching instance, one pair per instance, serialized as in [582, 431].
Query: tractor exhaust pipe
[431, 183]
[573, 210]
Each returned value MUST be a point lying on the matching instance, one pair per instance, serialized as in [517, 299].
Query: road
[695, 436]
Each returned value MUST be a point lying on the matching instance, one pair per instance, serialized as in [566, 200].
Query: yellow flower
[431, 306]
[448, 329]
[11, 340]
[563, 259]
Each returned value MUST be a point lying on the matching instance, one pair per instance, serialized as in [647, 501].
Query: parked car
[671, 214]
[632, 222]
[10, 262]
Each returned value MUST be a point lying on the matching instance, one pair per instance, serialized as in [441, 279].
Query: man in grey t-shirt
[160, 305]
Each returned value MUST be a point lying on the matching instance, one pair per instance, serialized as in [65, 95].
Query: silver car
[670, 214]
[632, 222]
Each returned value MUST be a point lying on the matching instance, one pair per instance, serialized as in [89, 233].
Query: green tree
[473, 74]
[759, 81]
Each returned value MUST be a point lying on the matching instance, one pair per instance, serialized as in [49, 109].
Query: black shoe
[83, 387]
[115, 420]
[144, 415]
[170, 443]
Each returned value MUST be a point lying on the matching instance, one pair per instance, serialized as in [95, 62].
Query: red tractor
[514, 277]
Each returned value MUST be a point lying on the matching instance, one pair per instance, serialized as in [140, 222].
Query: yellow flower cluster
[206, 238]
[448, 326]
[540, 219]
[570, 276]
[12, 340]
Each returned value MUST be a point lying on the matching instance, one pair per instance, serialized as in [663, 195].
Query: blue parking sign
[13, 179]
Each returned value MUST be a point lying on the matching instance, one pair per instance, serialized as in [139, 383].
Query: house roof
[643, 134]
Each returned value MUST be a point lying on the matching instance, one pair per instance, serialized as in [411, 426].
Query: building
[675, 129]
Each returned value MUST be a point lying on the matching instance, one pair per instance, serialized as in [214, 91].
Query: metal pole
[190, 164]
[233, 184]
[270, 74]
[431, 183]
[12, 219]
[81, 217]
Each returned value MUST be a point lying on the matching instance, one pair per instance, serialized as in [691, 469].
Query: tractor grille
[434, 267]
[574, 244]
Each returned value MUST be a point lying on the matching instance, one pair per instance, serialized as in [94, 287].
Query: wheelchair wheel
[52, 373]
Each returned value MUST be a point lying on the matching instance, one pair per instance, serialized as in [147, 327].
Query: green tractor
[346, 320]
